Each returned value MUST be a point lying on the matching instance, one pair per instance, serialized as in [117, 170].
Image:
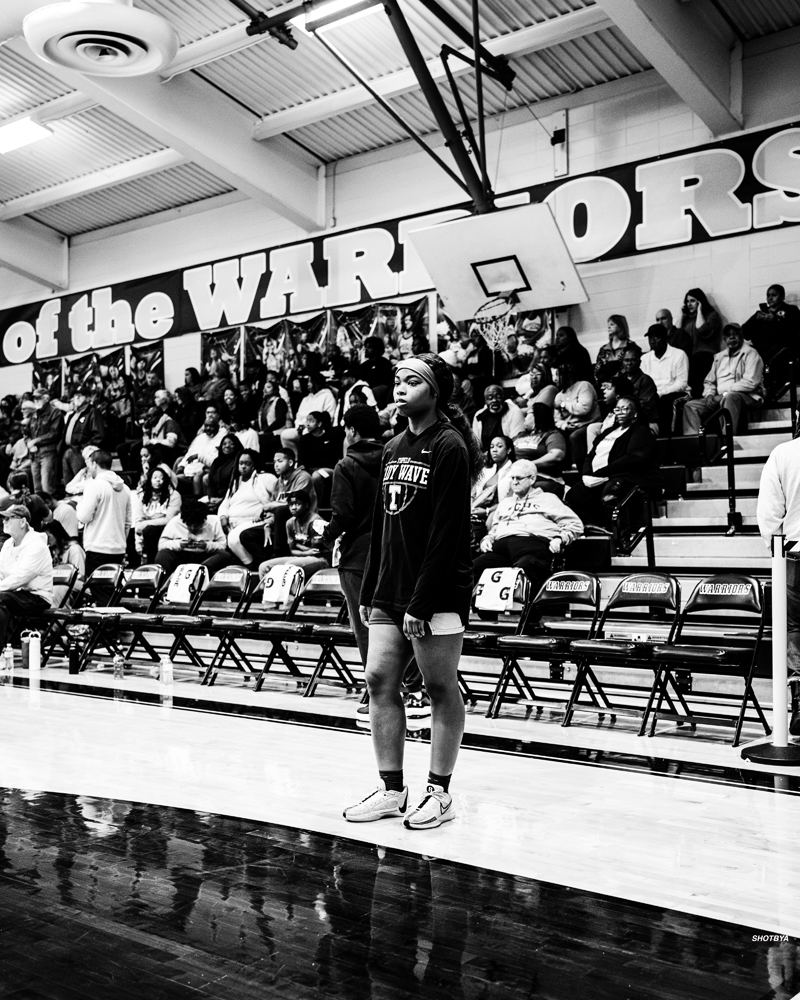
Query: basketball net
[492, 321]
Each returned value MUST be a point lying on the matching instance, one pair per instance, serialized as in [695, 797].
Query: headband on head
[422, 369]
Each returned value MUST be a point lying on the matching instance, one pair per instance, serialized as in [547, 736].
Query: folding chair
[100, 589]
[64, 575]
[138, 595]
[318, 603]
[742, 595]
[171, 613]
[624, 640]
[220, 612]
[560, 595]
[331, 636]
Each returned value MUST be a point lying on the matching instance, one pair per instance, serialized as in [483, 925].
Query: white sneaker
[436, 808]
[379, 804]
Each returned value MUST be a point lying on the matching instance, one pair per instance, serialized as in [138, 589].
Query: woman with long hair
[570, 350]
[701, 321]
[494, 483]
[245, 503]
[545, 446]
[223, 468]
[153, 504]
[417, 587]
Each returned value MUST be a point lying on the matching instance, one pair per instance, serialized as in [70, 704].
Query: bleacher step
[747, 552]
[699, 523]
[709, 507]
[755, 566]
[717, 476]
[760, 442]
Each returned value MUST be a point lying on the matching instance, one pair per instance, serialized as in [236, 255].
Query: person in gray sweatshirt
[105, 512]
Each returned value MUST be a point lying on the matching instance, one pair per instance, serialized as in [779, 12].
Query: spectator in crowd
[623, 456]
[17, 446]
[353, 492]
[245, 505]
[349, 386]
[375, 369]
[203, 450]
[703, 324]
[305, 531]
[193, 381]
[644, 388]
[20, 493]
[163, 430]
[249, 402]
[405, 340]
[191, 537]
[735, 381]
[26, 570]
[223, 469]
[291, 478]
[575, 407]
[528, 528]
[618, 340]
[480, 364]
[153, 505]
[320, 450]
[774, 331]
[668, 367]
[498, 416]
[105, 511]
[146, 398]
[494, 483]
[570, 351]
[463, 396]
[318, 398]
[272, 416]
[84, 426]
[518, 356]
[65, 550]
[536, 386]
[219, 380]
[45, 434]
[187, 412]
[676, 336]
[545, 446]
[613, 387]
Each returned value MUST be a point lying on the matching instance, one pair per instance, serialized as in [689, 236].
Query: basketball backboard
[518, 250]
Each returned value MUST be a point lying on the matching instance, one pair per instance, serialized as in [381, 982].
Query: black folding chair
[331, 636]
[221, 610]
[99, 590]
[624, 640]
[138, 595]
[318, 603]
[561, 595]
[726, 592]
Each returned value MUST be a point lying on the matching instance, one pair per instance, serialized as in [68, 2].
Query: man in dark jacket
[355, 485]
[45, 433]
[85, 425]
[375, 369]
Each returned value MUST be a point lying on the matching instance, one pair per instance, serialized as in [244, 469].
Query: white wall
[733, 272]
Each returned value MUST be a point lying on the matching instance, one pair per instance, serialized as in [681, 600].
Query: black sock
[442, 780]
[393, 780]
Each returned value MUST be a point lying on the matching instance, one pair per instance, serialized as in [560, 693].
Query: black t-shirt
[419, 560]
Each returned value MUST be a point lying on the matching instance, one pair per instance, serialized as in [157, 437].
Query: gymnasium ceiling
[237, 117]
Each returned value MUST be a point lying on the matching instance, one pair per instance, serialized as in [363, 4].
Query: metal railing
[723, 415]
[625, 540]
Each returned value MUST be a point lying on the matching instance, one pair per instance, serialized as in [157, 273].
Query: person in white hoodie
[245, 502]
[26, 569]
[105, 512]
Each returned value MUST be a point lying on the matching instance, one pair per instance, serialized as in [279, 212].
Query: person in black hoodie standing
[417, 587]
[355, 485]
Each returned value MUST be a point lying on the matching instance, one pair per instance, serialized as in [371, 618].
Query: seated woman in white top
[153, 505]
[244, 504]
[494, 484]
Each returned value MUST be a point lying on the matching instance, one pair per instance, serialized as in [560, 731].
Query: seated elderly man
[528, 528]
[498, 416]
[26, 569]
[736, 380]
[668, 367]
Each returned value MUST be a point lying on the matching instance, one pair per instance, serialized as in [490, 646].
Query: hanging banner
[147, 372]
[223, 346]
[48, 374]
[83, 375]
[739, 185]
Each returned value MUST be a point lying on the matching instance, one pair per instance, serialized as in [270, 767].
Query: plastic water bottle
[167, 678]
[118, 664]
[8, 659]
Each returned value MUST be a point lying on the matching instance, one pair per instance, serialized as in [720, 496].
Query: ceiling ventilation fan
[101, 37]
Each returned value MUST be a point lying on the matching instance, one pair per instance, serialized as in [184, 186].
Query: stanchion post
[780, 751]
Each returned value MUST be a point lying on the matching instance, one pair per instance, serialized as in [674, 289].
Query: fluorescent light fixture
[336, 12]
[21, 132]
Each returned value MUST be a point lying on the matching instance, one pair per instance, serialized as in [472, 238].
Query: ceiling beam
[121, 173]
[52, 111]
[692, 49]
[539, 36]
[193, 118]
[35, 252]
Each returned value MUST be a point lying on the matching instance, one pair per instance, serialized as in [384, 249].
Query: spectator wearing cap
[84, 426]
[735, 381]
[668, 367]
[45, 434]
[105, 511]
[26, 569]
[304, 531]
[528, 529]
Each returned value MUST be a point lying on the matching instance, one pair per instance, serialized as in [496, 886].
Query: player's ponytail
[444, 380]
